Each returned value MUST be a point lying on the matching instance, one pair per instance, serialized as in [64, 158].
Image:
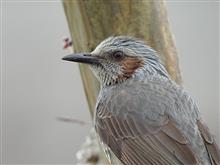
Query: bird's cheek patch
[130, 65]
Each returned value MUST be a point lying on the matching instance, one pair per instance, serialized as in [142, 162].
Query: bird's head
[117, 59]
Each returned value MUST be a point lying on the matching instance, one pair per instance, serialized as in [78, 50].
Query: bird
[142, 116]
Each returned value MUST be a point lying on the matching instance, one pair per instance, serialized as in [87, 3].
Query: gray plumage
[142, 116]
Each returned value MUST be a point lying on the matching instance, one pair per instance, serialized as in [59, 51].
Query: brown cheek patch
[129, 66]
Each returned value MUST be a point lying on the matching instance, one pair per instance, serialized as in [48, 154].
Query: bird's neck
[149, 69]
[109, 80]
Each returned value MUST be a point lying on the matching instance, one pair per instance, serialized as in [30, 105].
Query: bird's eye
[118, 55]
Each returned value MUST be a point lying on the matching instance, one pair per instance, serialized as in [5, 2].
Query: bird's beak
[82, 58]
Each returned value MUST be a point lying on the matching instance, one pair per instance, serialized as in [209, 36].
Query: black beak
[82, 58]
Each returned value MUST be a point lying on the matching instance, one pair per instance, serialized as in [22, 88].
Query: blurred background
[38, 87]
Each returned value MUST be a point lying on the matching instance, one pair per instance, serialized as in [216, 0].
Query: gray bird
[142, 116]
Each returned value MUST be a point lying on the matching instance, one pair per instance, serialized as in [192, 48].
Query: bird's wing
[211, 146]
[165, 146]
[134, 124]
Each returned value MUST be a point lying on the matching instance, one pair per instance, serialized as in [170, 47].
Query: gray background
[37, 87]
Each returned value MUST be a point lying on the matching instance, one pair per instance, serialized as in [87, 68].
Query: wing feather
[211, 146]
[170, 130]
[182, 152]
[133, 147]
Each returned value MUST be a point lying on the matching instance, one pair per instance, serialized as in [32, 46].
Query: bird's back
[153, 121]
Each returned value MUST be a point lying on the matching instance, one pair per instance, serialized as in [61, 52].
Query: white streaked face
[115, 65]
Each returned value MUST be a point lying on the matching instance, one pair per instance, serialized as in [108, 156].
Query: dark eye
[119, 55]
